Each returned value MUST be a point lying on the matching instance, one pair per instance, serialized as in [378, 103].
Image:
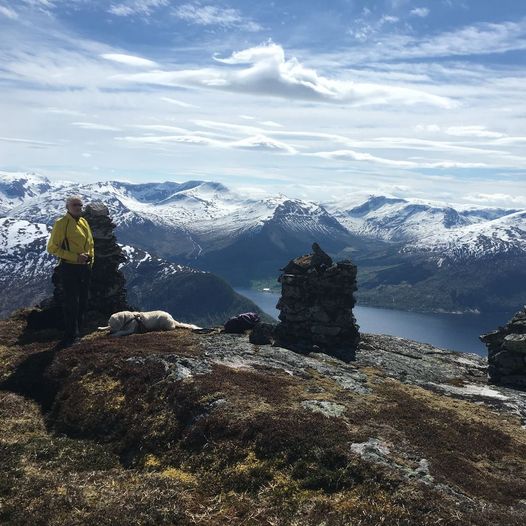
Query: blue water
[458, 332]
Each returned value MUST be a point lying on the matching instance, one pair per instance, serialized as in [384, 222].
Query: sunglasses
[77, 204]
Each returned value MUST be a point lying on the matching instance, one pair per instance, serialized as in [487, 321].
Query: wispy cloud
[256, 142]
[473, 131]
[136, 7]
[31, 142]
[63, 111]
[95, 126]
[262, 142]
[505, 199]
[209, 15]
[269, 73]
[475, 39]
[422, 12]
[129, 60]
[350, 155]
[8, 12]
[373, 113]
[177, 102]
[271, 124]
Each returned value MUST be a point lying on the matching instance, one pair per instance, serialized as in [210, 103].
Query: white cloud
[427, 128]
[261, 142]
[129, 60]
[136, 7]
[475, 39]
[161, 128]
[473, 131]
[44, 6]
[382, 143]
[166, 139]
[31, 142]
[388, 19]
[495, 198]
[510, 140]
[254, 142]
[271, 123]
[177, 102]
[209, 15]
[8, 12]
[422, 12]
[64, 111]
[95, 126]
[269, 73]
[484, 38]
[350, 155]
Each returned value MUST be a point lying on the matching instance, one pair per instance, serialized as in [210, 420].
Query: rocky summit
[317, 298]
[184, 428]
[507, 352]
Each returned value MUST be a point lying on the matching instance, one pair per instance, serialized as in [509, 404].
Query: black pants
[75, 284]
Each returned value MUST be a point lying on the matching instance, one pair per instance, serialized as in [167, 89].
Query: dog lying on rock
[129, 322]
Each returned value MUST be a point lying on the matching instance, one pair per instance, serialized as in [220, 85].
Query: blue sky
[315, 99]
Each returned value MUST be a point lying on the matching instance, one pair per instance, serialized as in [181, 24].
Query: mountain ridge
[428, 256]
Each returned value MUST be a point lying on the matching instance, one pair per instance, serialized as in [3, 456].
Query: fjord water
[457, 332]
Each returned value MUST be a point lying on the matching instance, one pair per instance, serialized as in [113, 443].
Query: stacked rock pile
[316, 303]
[107, 291]
[507, 352]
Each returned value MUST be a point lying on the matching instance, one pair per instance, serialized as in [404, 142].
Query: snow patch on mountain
[196, 217]
[403, 220]
[504, 235]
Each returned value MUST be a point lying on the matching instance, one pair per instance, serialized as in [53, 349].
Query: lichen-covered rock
[317, 298]
[507, 352]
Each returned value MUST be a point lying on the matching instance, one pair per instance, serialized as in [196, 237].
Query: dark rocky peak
[452, 218]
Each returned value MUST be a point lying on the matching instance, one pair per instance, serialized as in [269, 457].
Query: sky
[320, 100]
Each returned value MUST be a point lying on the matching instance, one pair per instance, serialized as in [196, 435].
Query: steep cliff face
[186, 428]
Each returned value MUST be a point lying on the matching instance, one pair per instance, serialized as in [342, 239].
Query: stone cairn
[107, 289]
[507, 352]
[317, 298]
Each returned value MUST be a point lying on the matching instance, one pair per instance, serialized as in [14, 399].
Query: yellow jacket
[69, 238]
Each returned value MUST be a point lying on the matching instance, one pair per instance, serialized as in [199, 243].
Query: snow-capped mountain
[482, 240]
[187, 220]
[15, 187]
[407, 249]
[403, 220]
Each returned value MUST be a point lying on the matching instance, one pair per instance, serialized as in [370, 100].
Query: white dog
[127, 322]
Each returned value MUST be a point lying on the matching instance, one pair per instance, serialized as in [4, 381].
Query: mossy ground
[122, 444]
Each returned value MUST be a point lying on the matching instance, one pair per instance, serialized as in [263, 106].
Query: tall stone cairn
[108, 284]
[317, 298]
[507, 352]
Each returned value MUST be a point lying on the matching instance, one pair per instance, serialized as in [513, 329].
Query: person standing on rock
[71, 241]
